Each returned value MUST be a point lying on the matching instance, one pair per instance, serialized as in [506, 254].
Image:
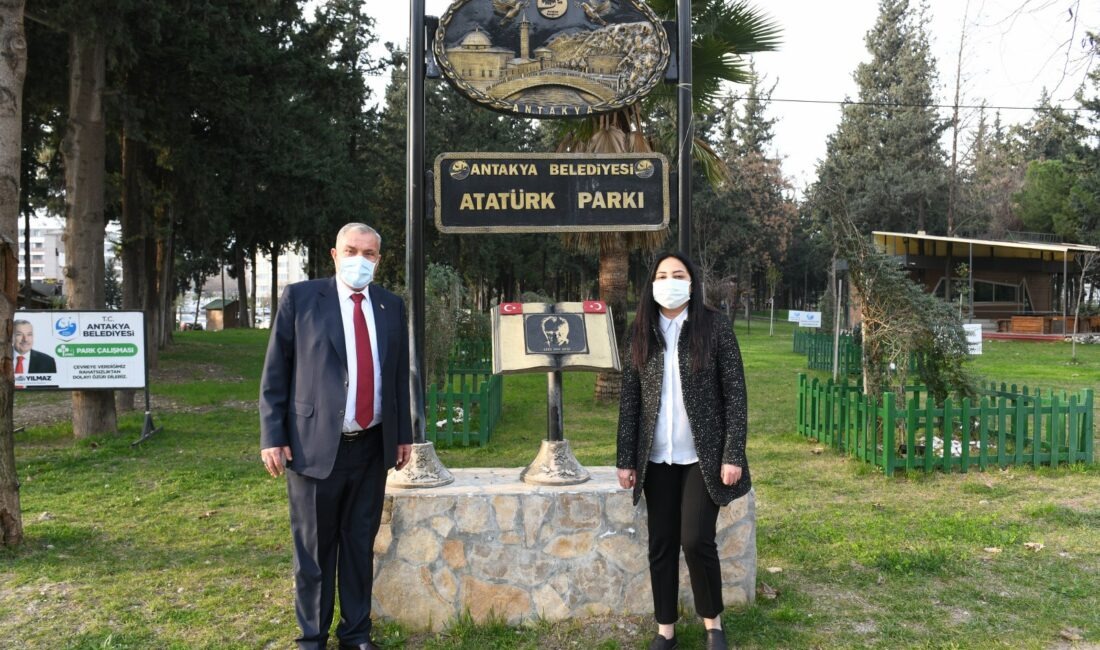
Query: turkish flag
[510, 308]
[594, 307]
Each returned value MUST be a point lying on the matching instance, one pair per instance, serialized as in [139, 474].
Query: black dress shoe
[716, 640]
[661, 643]
[365, 645]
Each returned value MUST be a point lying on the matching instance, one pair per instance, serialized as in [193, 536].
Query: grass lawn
[183, 542]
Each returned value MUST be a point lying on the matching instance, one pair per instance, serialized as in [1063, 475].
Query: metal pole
[148, 429]
[971, 288]
[684, 122]
[1065, 288]
[554, 419]
[836, 329]
[414, 209]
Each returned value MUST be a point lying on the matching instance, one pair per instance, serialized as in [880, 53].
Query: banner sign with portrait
[78, 350]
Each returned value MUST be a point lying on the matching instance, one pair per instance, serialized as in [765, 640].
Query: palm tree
[724, 32]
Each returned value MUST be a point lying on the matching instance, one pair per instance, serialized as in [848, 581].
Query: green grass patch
[183, 541]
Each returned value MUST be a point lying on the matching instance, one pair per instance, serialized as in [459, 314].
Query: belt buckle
[351, 436]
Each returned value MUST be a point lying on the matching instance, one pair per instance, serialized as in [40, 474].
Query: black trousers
[681, 514]
[334, 521]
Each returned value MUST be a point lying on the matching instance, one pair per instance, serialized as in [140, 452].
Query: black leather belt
[354, 436]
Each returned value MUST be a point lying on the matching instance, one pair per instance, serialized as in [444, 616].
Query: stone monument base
[497, 547]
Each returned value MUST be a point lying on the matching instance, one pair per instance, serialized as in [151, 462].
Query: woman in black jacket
[683, 418]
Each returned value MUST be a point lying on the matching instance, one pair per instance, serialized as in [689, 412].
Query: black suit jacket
[715, 400]
[304, 387]
[40, 362]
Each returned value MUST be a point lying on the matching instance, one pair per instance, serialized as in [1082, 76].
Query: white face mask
[671, 293]
[356, 271]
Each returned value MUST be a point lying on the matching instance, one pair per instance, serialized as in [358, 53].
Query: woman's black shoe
[716, 640]
[661, 643]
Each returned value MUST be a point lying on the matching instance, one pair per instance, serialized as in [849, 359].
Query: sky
[1014, 48]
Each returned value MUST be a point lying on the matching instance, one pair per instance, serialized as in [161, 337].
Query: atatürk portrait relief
[556, 331]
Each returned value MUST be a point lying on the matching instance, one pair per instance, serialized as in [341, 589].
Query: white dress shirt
[347, 306]
[672, 441]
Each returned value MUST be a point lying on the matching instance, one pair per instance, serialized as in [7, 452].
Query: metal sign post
[147, 428]
[424, 468]
[685, 125]
[554, 419]
[836, 329]
[555, 463]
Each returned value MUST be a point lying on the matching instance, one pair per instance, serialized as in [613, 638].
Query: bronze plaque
[546, 192]
[552, 58]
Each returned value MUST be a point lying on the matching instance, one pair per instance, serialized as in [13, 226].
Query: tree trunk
[198, 299]
[166, 259]
[318, 259]
[83, 151]
[13, 48]
[132, 243]
[274, 285]
[242, 288]
[255, 304]
[614, 273]
[953, 179]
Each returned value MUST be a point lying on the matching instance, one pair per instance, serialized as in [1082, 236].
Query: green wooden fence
[466, 409]
[818, 348]
[472, 353]
[1004, 426]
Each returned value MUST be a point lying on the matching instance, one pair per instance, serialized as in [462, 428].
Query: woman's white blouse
[672, 441]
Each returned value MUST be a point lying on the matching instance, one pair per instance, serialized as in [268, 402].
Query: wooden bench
[1030, 325]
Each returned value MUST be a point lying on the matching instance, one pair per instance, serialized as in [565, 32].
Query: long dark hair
[643, 337]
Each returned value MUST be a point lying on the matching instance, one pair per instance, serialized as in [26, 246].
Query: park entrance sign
[552, 58]
[504, 192]
[566, 59]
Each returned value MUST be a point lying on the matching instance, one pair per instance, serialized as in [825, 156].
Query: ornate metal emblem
[552, 58]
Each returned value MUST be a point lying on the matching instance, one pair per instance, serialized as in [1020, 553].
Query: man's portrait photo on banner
[25, 359]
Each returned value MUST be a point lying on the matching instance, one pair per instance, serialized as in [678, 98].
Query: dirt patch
[189, 372]
[47, 409]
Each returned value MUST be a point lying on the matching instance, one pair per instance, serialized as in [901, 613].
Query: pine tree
[884, 166]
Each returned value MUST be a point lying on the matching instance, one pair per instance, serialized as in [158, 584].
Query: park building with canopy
[1013, 286]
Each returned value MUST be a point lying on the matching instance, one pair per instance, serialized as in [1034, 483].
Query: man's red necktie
[364, 382]
[19, 364]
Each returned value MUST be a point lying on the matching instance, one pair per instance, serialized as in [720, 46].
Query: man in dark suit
[334, 412]
[25, 360]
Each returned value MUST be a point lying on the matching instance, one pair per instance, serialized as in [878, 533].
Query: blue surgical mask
[356, 271]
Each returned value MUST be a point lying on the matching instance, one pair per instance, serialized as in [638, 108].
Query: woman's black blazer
[714, 398]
